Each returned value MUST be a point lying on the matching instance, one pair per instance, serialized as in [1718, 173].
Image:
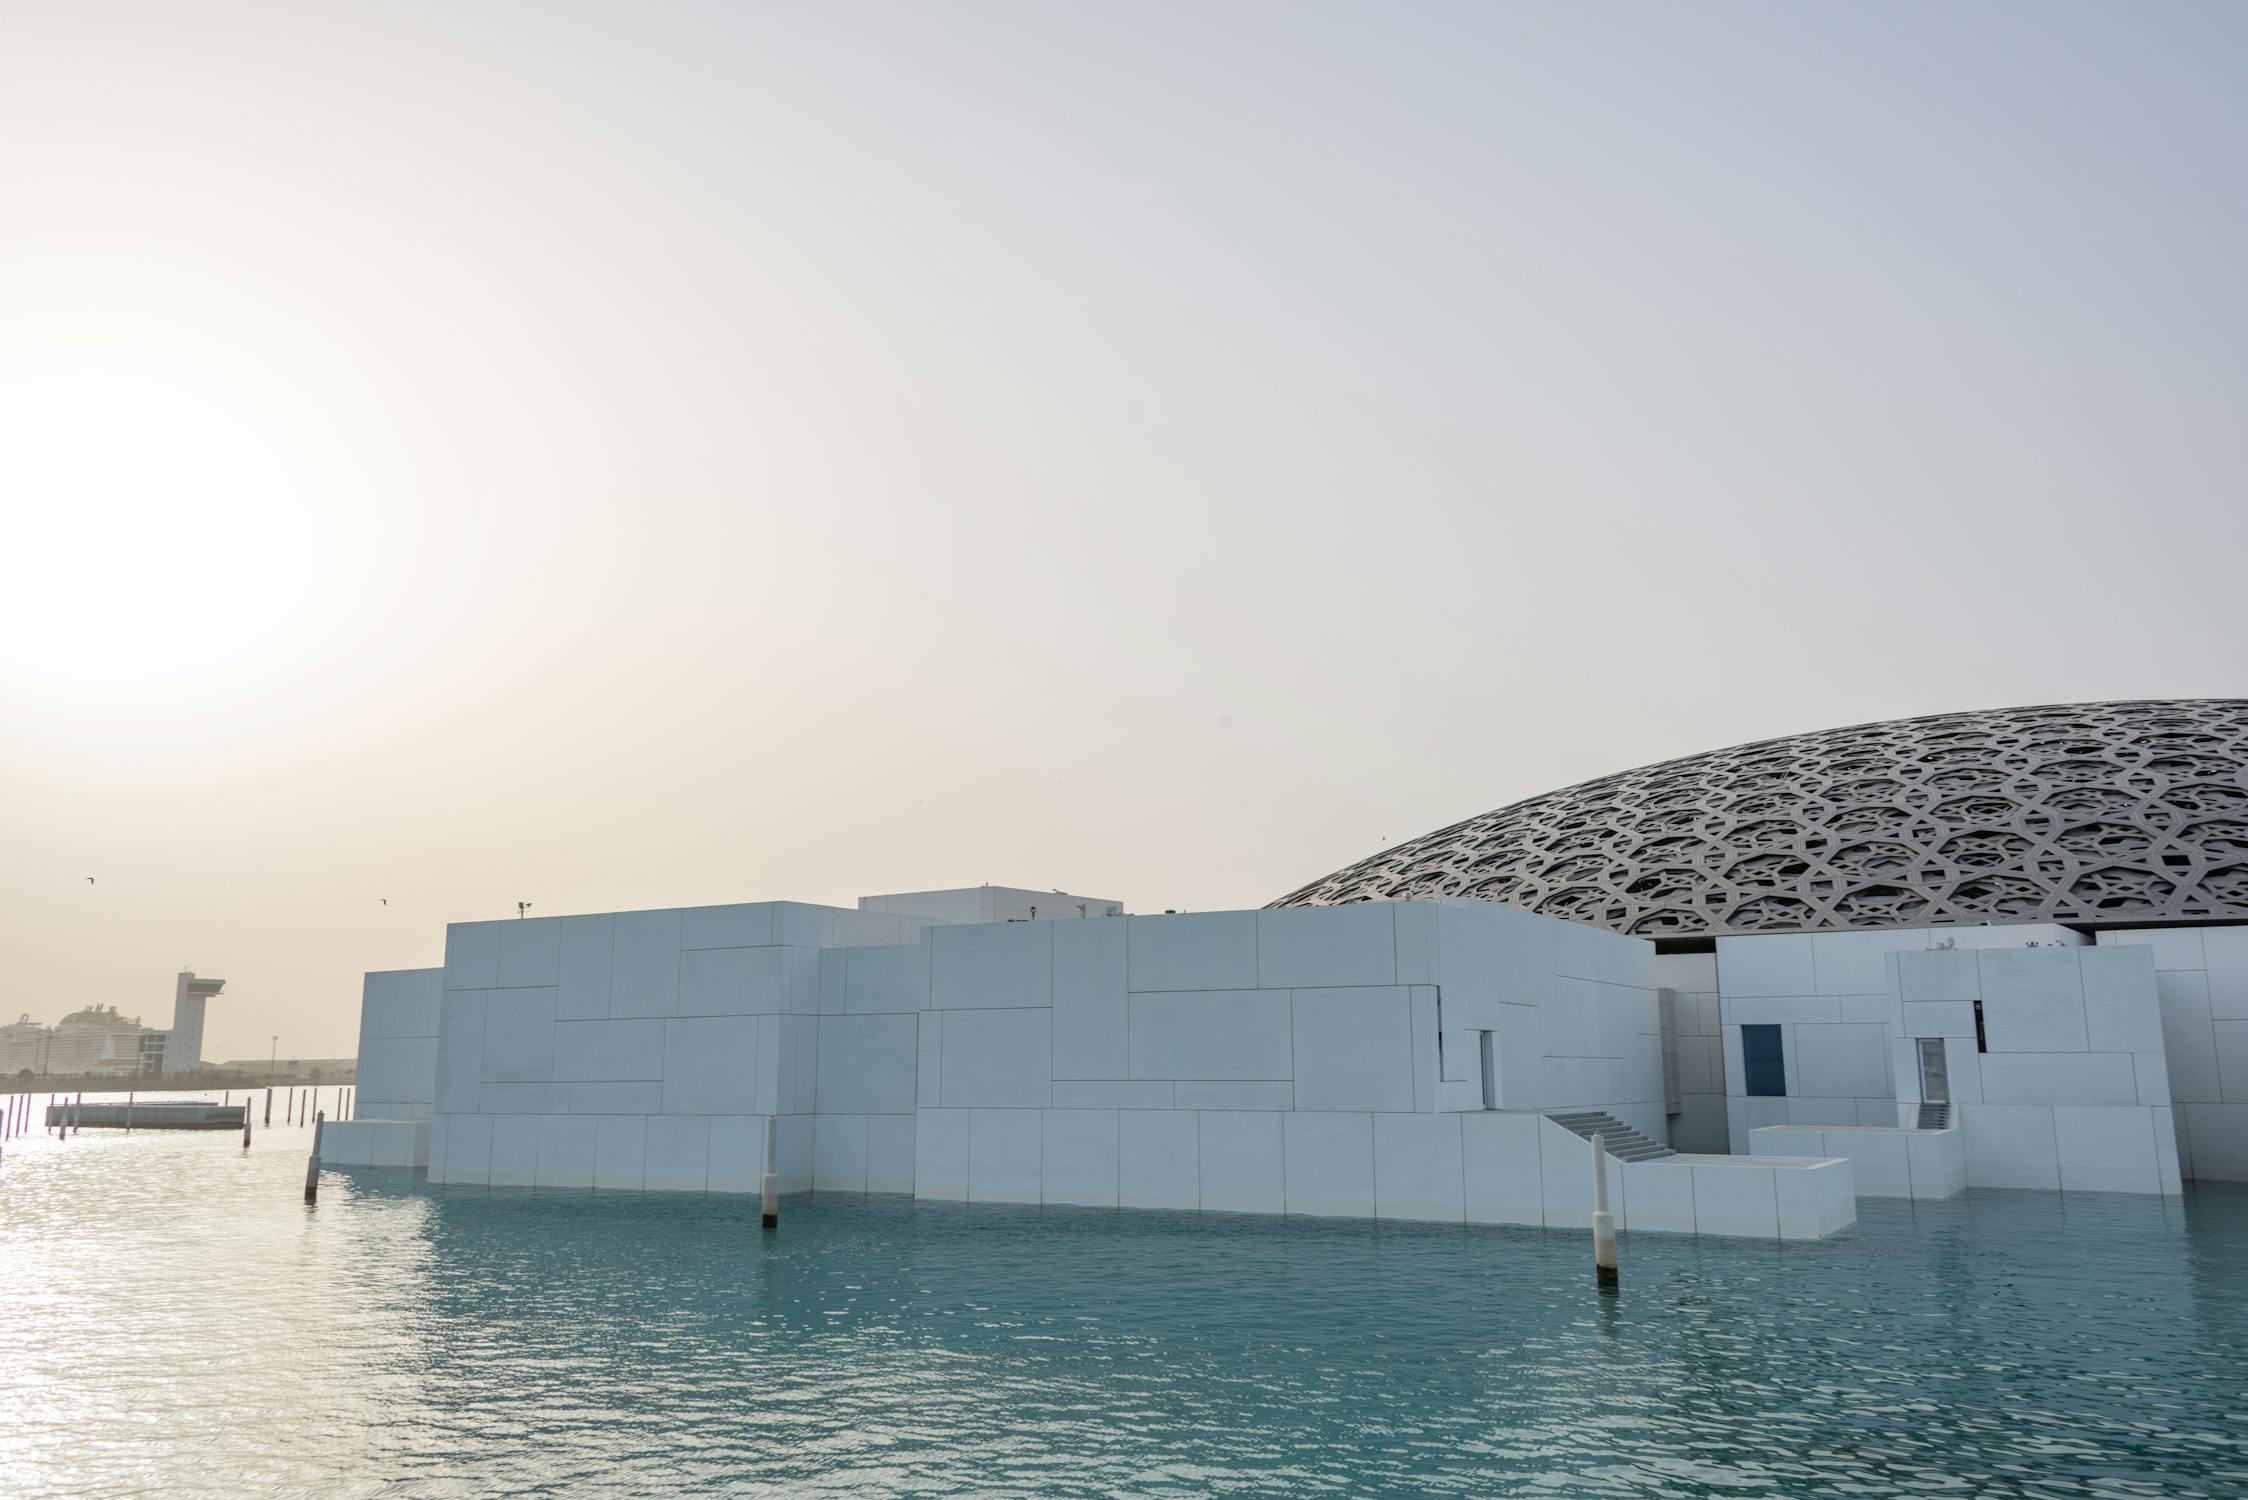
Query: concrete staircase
[1616, 1138]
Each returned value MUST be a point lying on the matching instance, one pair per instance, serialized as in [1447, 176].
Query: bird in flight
[89, 880]
[385, 900]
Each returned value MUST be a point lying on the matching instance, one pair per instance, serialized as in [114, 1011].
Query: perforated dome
[2086, 813]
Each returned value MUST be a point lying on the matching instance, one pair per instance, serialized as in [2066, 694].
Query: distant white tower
[183, 1049]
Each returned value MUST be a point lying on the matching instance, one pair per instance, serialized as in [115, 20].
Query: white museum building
[2004, 949]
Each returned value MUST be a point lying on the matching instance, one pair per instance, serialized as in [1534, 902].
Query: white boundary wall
[2201, 980]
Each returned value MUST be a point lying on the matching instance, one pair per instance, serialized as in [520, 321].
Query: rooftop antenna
[522, 908]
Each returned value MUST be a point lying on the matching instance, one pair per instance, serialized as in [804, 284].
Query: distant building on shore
[97, 1039]
[303, 1069]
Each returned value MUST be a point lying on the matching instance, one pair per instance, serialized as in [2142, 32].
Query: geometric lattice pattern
[2091, 813]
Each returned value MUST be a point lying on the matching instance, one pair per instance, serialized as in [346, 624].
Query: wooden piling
[312, 1165]
[269, 1106]
[772, 1182]
[1603, 1222]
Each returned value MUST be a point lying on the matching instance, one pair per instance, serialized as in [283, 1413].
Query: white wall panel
[889, 1153]
[1311, 946]
[886, 978]
[1854, 963]
[603, 1098]
[566, 1151]
[1844, 1061]
[1240, 1034]
[2010, 1145]
[1241, 1161]
[1774, 964]
[677, 1154]
[528, 953]
[1197, 951]
[608, 1050]
[839, 1153]
[997, 1059]
[1004, 1155]
[1079, 1154]
[749, 925]
[1145, 1093]
[526, 1098]
[468, 1150]
[2033, 1000]
[1089, 999]
[460, 1050]
[1735, 1200]
[1502, 1177]
[644, 964]
[1937, 975]
[1007, 965]
[940, 1154]
[472, 955]
[2106, 1150]
[582, 957]
[710, 1065]
[867, 1064]
[1158, 1159]
[737, 1153]
[1417, 1168]
[1352, 1049]
[1329, 1163]
[2059, 1077]
[731, 982]
[1192, 1093]
[515, 1150]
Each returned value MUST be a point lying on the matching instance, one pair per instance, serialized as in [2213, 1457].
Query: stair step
[1616, 1138]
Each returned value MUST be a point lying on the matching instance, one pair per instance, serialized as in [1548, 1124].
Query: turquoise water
[177, 1322]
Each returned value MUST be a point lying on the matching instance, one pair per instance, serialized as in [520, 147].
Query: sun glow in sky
[613, 456]
[170, 545]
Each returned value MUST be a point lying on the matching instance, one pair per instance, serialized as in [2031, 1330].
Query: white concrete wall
[1885, 1161]
[1306, 1060]
[2201, 980]
[374, 1143]
[2073, 1092]
[397, 1076]
[993, 903]
[637, 1050]
[1325, 1061]
[1827, 992]
[1694, 1055]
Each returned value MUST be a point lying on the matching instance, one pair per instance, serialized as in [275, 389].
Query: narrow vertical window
[1982, 1043]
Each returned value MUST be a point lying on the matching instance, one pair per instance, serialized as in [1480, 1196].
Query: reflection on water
[178, 1321]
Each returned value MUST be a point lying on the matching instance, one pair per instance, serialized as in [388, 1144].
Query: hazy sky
[637, 454]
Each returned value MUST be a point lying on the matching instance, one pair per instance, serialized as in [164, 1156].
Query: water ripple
[178, 1323]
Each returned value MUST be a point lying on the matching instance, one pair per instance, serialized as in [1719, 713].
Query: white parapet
[375, 1143]
[1887, 1161]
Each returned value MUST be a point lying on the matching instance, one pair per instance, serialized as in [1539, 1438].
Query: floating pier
[179, 1114]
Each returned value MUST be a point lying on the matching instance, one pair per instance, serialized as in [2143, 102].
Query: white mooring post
[772, 1183]
[1603, 1222]
[245, 1122]
[312, 1165]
